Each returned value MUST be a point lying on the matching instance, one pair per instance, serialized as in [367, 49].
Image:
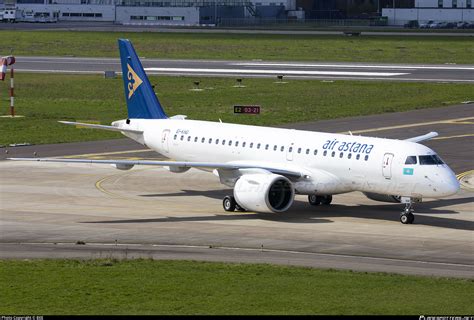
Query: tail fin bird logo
[134, 81]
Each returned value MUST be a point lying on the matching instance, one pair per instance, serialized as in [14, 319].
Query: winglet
[424, 137]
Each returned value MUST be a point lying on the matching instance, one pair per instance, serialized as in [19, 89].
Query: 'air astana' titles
[355, 147]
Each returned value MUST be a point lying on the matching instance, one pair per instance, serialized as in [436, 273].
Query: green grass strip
[389, 49]
[44, 100]
[184, 287]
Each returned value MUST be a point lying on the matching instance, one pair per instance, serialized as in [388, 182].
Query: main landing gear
[407, 217]
[315, 200]
[231, 205]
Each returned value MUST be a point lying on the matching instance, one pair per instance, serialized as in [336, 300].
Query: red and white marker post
[8, 61]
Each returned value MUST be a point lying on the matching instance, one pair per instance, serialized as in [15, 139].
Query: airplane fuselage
[332, 163]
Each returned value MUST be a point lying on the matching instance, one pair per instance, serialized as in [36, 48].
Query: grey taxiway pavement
[46, 208]
[257, 68]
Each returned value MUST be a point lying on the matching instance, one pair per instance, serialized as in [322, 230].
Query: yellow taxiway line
[108, 153]
[463, 175]
[411, 125]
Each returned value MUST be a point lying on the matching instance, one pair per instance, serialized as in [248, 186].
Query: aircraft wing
[423, 137]
[99, 126]
[183, 164]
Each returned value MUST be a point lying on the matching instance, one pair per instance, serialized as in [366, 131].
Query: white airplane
[265, 166]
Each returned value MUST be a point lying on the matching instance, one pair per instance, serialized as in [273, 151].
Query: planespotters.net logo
[446, 318]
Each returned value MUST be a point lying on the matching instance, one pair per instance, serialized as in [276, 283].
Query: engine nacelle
[383, 197]
[263, 192]
[122, 166]
[176, 169]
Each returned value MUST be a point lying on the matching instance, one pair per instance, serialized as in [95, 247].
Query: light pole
[215, 13]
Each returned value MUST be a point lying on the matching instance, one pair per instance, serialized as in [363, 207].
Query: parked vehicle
[7, 15]
[412, 24]
[426, 25]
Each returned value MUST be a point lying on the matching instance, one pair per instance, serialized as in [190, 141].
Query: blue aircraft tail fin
[142, 102]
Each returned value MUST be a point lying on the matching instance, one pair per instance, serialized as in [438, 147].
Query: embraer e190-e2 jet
[265, 166]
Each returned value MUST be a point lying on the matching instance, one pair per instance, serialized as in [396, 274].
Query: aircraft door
[289, 151]
[387, 165]
[165, 140]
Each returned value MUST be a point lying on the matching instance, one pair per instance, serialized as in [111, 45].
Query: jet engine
[383, 197]
[263, 192]
[122, 166]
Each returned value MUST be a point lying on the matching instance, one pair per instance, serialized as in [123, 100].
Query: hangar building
[434, 10]
[157, 12]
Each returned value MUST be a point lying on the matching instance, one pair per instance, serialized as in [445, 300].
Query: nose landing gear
[407, 217]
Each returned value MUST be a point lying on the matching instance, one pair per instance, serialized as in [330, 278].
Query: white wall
[107, 11]
[434, 3]
[402, 16]
[190, 14]
[289, 4]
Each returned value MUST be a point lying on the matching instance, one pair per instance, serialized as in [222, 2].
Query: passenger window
[341, 154]
[315, 151]
[236, 143]
[189, 138]
[195, 139]
[175, 136]
[203, 139]
[299, 150]
[243, 144]
[230, 142]
[291, 149]
[358, 157]
[411, 160]
[366, 157]
[182, 138]
[210, 140]
[266, 147]
[307, 151]
[223, 142]
[217, 141]
[325, 152]
[282, 148]
[333, 153]
[251, 144]
[275, 148]
[349, 156]
[258, 146]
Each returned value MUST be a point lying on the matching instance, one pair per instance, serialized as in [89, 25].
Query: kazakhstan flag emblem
[408, 171]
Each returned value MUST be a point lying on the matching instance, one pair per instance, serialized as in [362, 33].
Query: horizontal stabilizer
[99, 126]
[424, 137]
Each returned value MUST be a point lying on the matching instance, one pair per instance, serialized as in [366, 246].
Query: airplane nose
[451, 184]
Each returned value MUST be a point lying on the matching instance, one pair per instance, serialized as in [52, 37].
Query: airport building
[431, 10]
[154, 12]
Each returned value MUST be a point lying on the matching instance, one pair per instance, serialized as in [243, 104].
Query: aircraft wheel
[326, 200]
[407, 218]
[314, 200]
[229, 203]
[239, 208]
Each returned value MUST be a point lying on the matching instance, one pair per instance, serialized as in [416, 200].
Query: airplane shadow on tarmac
[302, 212]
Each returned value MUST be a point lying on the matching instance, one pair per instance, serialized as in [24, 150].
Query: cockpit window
[410, 160]
[430, 160]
